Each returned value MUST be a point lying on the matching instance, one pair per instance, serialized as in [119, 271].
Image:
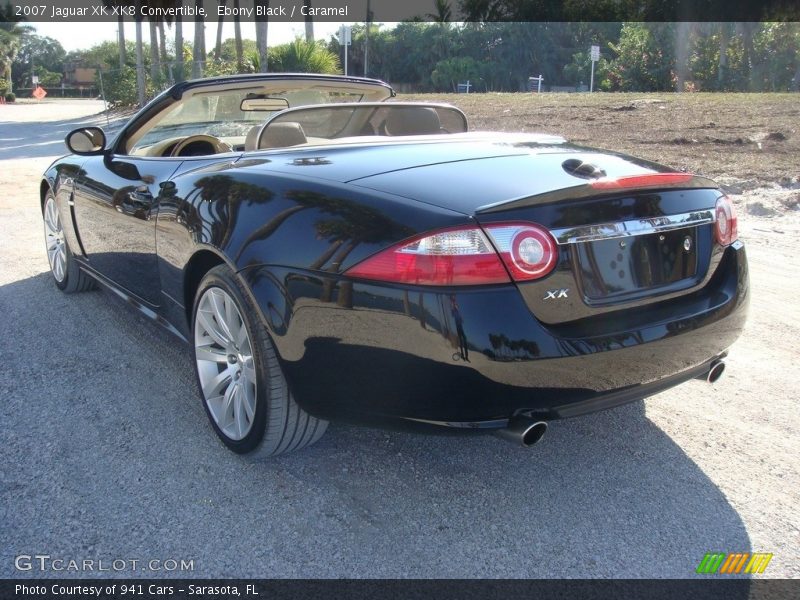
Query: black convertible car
[331, 254]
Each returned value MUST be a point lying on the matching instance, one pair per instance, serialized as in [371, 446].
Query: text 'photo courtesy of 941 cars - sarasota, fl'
[331, 254]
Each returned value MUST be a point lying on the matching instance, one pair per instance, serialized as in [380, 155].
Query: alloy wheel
[225, 365]
[54, 239]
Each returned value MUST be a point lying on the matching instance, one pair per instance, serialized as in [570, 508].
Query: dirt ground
[639, 491]
[746, 142]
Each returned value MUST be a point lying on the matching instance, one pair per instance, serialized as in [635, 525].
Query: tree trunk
[309, 22]
[121, 40]
[682, 55]
[237, 33]
[722, 68]
[162, 46]
[155, 66]
[747, 31]
[178, 44]
[139, 58]
[261, 38]
[198, 55]
[366, 40]
[220, 21]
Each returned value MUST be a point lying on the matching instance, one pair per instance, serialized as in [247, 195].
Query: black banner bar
[352, 11]
[716, 588]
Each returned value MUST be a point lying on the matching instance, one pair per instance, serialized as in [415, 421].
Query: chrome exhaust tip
[716, 371]
[523, 431]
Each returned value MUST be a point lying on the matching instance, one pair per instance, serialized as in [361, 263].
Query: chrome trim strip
[607, 231]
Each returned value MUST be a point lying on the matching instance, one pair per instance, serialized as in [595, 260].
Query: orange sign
[39, 93]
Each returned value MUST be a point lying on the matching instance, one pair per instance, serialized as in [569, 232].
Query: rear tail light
[726, 226]
[465, 256]
[528, 250]
[451, 257]
[640, 181]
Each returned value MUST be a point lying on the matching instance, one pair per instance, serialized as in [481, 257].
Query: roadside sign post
[345, 39]
[595, 56]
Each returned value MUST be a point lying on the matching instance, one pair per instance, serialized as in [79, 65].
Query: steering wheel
[216, 144]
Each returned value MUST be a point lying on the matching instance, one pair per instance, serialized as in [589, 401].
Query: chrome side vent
[584, 170]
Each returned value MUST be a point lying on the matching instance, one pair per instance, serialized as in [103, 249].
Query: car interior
[221, 119]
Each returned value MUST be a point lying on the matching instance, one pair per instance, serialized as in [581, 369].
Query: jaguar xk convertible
[331, 254]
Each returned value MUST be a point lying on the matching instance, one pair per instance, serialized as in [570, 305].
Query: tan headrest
[250, 142]
[412, 120]
[282, 135]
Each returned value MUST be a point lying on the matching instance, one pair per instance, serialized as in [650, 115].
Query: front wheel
[241, 382]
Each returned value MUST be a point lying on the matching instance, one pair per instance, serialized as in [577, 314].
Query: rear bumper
[474, 358]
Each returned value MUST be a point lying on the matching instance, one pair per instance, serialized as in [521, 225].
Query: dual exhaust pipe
[527, 431]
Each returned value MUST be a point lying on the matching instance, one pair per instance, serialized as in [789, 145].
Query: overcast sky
[79, 36]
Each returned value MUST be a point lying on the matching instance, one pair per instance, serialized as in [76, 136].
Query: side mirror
[86, 140]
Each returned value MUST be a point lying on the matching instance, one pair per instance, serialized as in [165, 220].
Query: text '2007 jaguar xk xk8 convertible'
[332, 254]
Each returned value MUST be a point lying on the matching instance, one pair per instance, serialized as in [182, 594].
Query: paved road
[107, 454]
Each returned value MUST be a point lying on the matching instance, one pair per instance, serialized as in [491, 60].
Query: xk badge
[556, 294]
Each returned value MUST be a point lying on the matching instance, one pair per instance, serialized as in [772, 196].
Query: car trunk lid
[629, 232]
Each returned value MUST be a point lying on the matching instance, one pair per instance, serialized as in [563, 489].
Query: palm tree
[155, 62]
[162, 46]
[304, 57]
[198, 50]
[178, 43]
[139, 55]
[309, 21]
[237, 34]
[261, 37]
[443, 12]
[220, 20]
[11, 33]
[120, 32]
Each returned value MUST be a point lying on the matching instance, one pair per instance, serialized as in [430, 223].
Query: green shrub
[121, 89]
[10, 97]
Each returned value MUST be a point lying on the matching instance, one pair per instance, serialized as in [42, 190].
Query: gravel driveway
[107, 452]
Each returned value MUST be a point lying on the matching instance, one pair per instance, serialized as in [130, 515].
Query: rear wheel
[243, 388]
[67, 274]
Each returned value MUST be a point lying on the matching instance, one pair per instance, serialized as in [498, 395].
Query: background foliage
[436, 56]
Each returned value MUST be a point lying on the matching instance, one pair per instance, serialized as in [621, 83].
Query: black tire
[74, 280]
[279, 425]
